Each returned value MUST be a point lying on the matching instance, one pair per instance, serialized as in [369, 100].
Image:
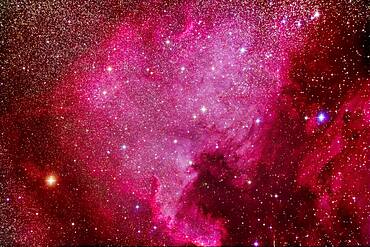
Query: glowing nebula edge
[185, 123]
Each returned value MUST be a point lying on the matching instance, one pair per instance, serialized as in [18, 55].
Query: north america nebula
[185, 123]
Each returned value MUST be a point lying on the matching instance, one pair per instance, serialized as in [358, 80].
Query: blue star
[322, 117]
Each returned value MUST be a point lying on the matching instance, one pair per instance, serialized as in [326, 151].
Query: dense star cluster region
[185, 123]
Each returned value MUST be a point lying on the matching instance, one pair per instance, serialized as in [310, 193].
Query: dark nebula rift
[185, 123]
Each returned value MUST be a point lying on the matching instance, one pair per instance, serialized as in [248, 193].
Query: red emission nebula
[195, 122]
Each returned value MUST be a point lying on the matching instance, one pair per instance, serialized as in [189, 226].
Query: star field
[185, 123]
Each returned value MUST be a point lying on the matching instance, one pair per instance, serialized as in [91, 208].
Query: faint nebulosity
[185, 122]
